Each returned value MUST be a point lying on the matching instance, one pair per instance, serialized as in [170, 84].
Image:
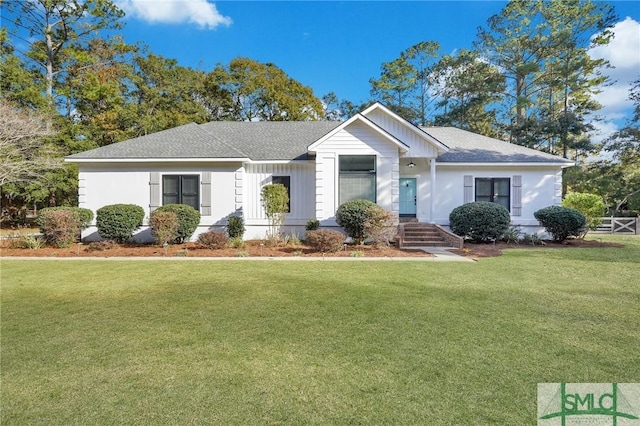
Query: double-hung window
[494, 190]
[181, 189]
[357, 178]
[286, 182]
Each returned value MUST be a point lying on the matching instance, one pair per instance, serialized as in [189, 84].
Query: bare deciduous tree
[24, 153]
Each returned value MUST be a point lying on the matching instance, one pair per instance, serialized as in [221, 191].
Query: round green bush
[561, 222]
[353, 216]
[85, 216]
[188, 219]
[480, 221]
[117, 222]
[235, 226]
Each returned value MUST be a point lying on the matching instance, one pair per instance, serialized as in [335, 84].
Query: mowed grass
[313, 342]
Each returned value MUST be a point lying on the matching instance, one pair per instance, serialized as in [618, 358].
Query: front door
[408, 197]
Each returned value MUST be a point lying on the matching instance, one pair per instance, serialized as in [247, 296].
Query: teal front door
[408, 197]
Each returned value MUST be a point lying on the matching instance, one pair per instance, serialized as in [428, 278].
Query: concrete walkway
[440, 254]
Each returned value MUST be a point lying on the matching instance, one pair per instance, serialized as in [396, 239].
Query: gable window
[286, 182]
[357, 178]
[494, 190]
[181, 189]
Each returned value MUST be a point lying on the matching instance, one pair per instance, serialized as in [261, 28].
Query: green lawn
[193, 342]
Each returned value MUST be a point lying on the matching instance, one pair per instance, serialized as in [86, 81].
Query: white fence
[618, 225]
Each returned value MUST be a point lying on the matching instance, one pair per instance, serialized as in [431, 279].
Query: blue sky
[338, 46]
[331, 46]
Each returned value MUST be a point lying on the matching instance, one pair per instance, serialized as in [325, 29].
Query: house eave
[504, 164]
[155, 160]
[280, 161]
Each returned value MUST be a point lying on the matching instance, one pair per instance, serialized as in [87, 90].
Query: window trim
[492, 194]
[287, 179]
[180, 189]
[371, 172]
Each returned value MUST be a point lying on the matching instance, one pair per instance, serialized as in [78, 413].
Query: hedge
[118, 222]
[480, 221]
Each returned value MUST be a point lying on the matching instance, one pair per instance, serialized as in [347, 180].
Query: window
[181, 189]
[357, 178]
[494, 190]
[286, 182]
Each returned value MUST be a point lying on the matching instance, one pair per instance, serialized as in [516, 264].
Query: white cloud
[623, 53]
[200, 12]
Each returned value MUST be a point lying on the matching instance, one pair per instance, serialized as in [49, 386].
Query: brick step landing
[415, 234]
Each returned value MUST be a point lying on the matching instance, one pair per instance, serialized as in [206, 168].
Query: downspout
[432, 189]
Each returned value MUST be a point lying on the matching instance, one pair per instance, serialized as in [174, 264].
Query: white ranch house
[220, 167]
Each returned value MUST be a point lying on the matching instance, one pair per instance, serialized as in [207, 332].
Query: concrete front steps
[416, 235]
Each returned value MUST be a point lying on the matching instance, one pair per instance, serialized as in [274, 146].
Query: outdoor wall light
[411, 164]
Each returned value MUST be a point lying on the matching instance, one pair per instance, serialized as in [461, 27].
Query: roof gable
[393, 123]
[369, 124]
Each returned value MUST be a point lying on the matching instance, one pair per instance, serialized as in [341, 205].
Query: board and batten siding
[302, 187]
[356, 139]
[417, 147]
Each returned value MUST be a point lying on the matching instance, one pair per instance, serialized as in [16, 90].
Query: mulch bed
[261, 249]
[495, 249]
[251, 249]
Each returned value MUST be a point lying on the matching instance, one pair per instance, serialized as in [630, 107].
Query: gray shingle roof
[220, 139]
[271, 140]
[468, 147]
[286, 140]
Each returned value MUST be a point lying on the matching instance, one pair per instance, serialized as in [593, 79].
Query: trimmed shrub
[325, 240]
[188, 220]
[235, 227]
[480, 221]
[117, 222]
[590, 205]
[561, 222]
[312, 225]
[353, 216]
[380, 226]
[60, 227]
[164, 226]
[85, 216]
[213, 239]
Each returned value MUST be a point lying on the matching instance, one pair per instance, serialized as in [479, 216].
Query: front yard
[171, 342]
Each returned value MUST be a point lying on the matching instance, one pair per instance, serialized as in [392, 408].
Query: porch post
[432, 189]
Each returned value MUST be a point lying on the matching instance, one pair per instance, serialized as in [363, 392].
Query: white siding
[302, 202]
[539, 189]
[418, 147]
[107, 184]
[355, 139]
